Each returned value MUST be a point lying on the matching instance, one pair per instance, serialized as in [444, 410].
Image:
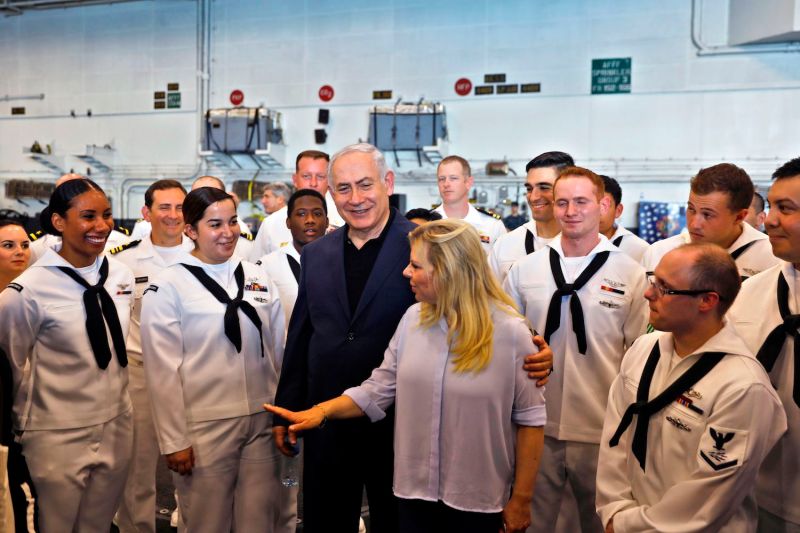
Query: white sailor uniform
[273, 233]
[211, 395]
[73, 415]
[283, 267]
[629, 243]
[695, 469]
[614, 315]
[755, 314]
[489, 225]
[40, 242]
[513, 246]
[751, 251]
[137, 511]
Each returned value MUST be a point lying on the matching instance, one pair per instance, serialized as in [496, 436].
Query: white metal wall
[685, 110]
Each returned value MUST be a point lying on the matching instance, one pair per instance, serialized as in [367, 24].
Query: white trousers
[79, 474]
[566, 462]
[235, 484]
[137, 512]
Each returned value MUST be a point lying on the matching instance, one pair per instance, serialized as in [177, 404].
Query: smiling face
[710, 219]
[166, 216]
[215, 234]
[420, 274]
[361, 196]
[84, 227]
[783, 221]
[539, 192]
[15, 253]
[307, 221]
[577, 207]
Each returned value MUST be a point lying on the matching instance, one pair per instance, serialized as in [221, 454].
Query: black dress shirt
[358, 263]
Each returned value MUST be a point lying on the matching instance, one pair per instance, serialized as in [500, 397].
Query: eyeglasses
[659, 287]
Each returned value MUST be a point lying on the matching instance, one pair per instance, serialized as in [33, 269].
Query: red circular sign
[237, 97]
[463, 87]
[326, 93]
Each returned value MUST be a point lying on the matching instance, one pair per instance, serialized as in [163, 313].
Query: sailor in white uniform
[454, 178]
[692, 414]
[542, 172]
[715, 213]
[311, 172]
[617, 234]
[212, 344]
[63, 324]
[160, 248]
[587, 297]
[766, 316]
[307, 221]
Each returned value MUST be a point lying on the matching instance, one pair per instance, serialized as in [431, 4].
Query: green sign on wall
[611, 76]
[173, 100]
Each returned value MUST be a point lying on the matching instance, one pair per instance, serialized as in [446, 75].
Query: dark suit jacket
[327, 349]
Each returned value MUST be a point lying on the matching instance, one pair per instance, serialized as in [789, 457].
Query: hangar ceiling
[18, 7]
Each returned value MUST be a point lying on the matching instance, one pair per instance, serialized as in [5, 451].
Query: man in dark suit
[351, 297]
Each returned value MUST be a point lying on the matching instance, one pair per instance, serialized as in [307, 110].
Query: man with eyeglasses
[767, 316]
[542, 172]
[692, 414]
[585, 294]
[311, 172]
[718, 201]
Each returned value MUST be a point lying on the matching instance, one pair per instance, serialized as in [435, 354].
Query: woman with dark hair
[15, 251]
[212, 345]
[63, 324]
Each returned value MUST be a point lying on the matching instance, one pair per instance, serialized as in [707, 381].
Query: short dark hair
[790, 169]
[514, 204]
[61, 201]
[160, 185]
[612, 188]
[198, 200]
[726, 178]
[557, 160]
[714, 269]
[425, 214]
[8, 222]
[299, 194]
[758, 200]
[313, 154]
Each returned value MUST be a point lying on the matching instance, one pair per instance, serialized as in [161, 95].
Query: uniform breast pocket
[535, 297]
[682, 426]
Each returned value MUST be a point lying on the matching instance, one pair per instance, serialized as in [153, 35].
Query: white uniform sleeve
[377, 392]
[498, 230]
[639, 315]
[614, 492]
[511, 286]
[752, 418]
[494, 263]
[259, 248]
[162, 353]
[21, 319]
[277, 326]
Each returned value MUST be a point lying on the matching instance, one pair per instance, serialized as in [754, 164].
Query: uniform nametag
[142, 279]
[16, 286]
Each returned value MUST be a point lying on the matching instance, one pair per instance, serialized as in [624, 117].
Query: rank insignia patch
[153, 288]
[722, 448]
[16, 286]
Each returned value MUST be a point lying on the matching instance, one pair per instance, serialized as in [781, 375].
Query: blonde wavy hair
[465, 290]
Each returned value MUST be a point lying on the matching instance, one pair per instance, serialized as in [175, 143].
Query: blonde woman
[468, 420]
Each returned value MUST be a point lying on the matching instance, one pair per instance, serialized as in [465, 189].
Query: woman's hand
[517, 514]
[300, 421]
[181, 462]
